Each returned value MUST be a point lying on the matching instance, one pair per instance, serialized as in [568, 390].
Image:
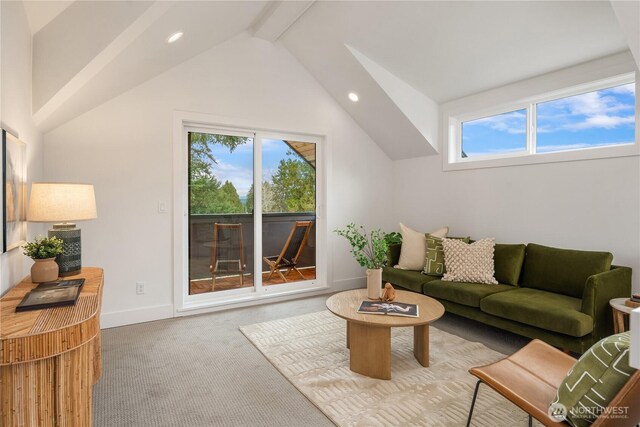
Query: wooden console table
[50, 358]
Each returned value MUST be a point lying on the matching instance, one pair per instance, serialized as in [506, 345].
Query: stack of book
[634, 301]
[52, 294]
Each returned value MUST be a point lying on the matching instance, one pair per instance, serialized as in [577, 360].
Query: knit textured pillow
[472, 263]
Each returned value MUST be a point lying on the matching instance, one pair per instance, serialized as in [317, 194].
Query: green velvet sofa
[560, 296]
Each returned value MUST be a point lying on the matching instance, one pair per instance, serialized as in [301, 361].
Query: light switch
[162, 207]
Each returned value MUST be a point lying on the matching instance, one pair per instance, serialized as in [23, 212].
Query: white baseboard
[140, 315]
[158, 312]
[347, 284]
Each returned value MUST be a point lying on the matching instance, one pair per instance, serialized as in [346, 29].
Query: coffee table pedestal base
[370, 349]
[421, 344]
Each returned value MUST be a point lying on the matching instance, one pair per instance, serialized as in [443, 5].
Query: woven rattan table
[369, 335]
[50, 358]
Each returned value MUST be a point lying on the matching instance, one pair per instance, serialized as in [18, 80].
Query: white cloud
[598, 109]
[629, 89]
[601, 121]
[241, 178]
[513, 123]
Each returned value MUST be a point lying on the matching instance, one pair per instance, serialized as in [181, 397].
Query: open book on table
[390, 308]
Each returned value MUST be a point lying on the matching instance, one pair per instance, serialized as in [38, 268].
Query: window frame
[455, 161]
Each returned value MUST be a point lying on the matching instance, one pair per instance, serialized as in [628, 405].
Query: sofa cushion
[471, 263]
[434, 262]
[595, 380]
[546, 310]
[468, 294]
[563, 271]
[508, 260]
[414, 247]
[408, 279]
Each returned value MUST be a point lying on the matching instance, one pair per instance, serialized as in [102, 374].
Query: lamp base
[69, 261]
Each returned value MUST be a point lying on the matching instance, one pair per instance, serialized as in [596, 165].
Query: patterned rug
[310, 352]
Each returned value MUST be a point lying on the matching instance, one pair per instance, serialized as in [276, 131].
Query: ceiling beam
[100, 61]
[278, 17]
[420, 110]
[628, 14]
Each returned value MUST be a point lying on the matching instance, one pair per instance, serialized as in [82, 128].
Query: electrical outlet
[140, 288]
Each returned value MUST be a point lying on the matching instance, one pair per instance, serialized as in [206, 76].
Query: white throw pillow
[414, 247]
[472, 263]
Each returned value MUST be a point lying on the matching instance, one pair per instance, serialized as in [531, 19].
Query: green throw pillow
[594, 381]
[434, 261]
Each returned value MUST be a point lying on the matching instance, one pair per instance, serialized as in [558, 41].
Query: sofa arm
[599, 289]
[393, 254]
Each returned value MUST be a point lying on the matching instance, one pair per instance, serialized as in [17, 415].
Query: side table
[619, 312]
[50, 358]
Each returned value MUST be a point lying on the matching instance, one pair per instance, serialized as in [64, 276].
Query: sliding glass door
[220, 223]
[288, 211]
[252, 224]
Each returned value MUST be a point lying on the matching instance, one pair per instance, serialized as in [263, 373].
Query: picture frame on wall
[14, 183]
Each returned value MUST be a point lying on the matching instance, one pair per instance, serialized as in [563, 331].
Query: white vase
[44, 270]
[374, 283]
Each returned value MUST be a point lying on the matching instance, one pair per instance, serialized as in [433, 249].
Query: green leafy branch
[369, 249]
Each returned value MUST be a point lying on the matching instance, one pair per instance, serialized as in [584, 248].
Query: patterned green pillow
[594, 381]
[434, 261]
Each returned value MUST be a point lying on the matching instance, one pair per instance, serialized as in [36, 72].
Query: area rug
[310, 352]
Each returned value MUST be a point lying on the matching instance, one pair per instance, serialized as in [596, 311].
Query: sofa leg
[473, 403]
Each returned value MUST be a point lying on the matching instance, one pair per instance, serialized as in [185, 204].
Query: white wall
[15, 116]
[589, 204]
[124, 147]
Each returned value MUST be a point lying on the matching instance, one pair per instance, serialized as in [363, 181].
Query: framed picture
[14, 179]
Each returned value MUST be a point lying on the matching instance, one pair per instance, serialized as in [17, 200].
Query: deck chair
[531, 376]
[291, 251]
[227, 252]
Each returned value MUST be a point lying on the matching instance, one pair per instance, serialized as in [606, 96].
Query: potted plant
[43, 251]
[370, 251]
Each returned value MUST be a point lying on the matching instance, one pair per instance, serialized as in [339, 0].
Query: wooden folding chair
[530, 379]
[291, 251]
[227, 253]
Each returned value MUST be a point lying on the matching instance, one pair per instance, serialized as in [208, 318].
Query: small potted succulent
[43, 251]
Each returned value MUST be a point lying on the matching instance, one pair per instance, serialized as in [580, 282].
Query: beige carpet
[309, 350]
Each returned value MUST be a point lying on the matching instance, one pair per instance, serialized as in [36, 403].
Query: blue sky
[237, 167]
[588, 120]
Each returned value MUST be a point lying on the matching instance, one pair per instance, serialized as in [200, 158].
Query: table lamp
[62, 203]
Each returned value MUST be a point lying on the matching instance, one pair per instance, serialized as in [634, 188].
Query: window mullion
[532, 128]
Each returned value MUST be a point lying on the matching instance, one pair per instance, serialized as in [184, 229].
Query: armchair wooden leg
[271, 271]
[473, 403]
[299, 272]
[281, 275]
[530, 421]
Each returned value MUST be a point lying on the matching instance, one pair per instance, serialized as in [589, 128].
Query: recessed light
[353, 96]
[175, 37]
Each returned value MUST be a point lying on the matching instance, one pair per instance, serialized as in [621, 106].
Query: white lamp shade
[61, 202]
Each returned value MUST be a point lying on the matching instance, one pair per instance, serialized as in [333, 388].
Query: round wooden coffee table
[369, 335]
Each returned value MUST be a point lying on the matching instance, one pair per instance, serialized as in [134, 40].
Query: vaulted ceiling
[402, 58]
